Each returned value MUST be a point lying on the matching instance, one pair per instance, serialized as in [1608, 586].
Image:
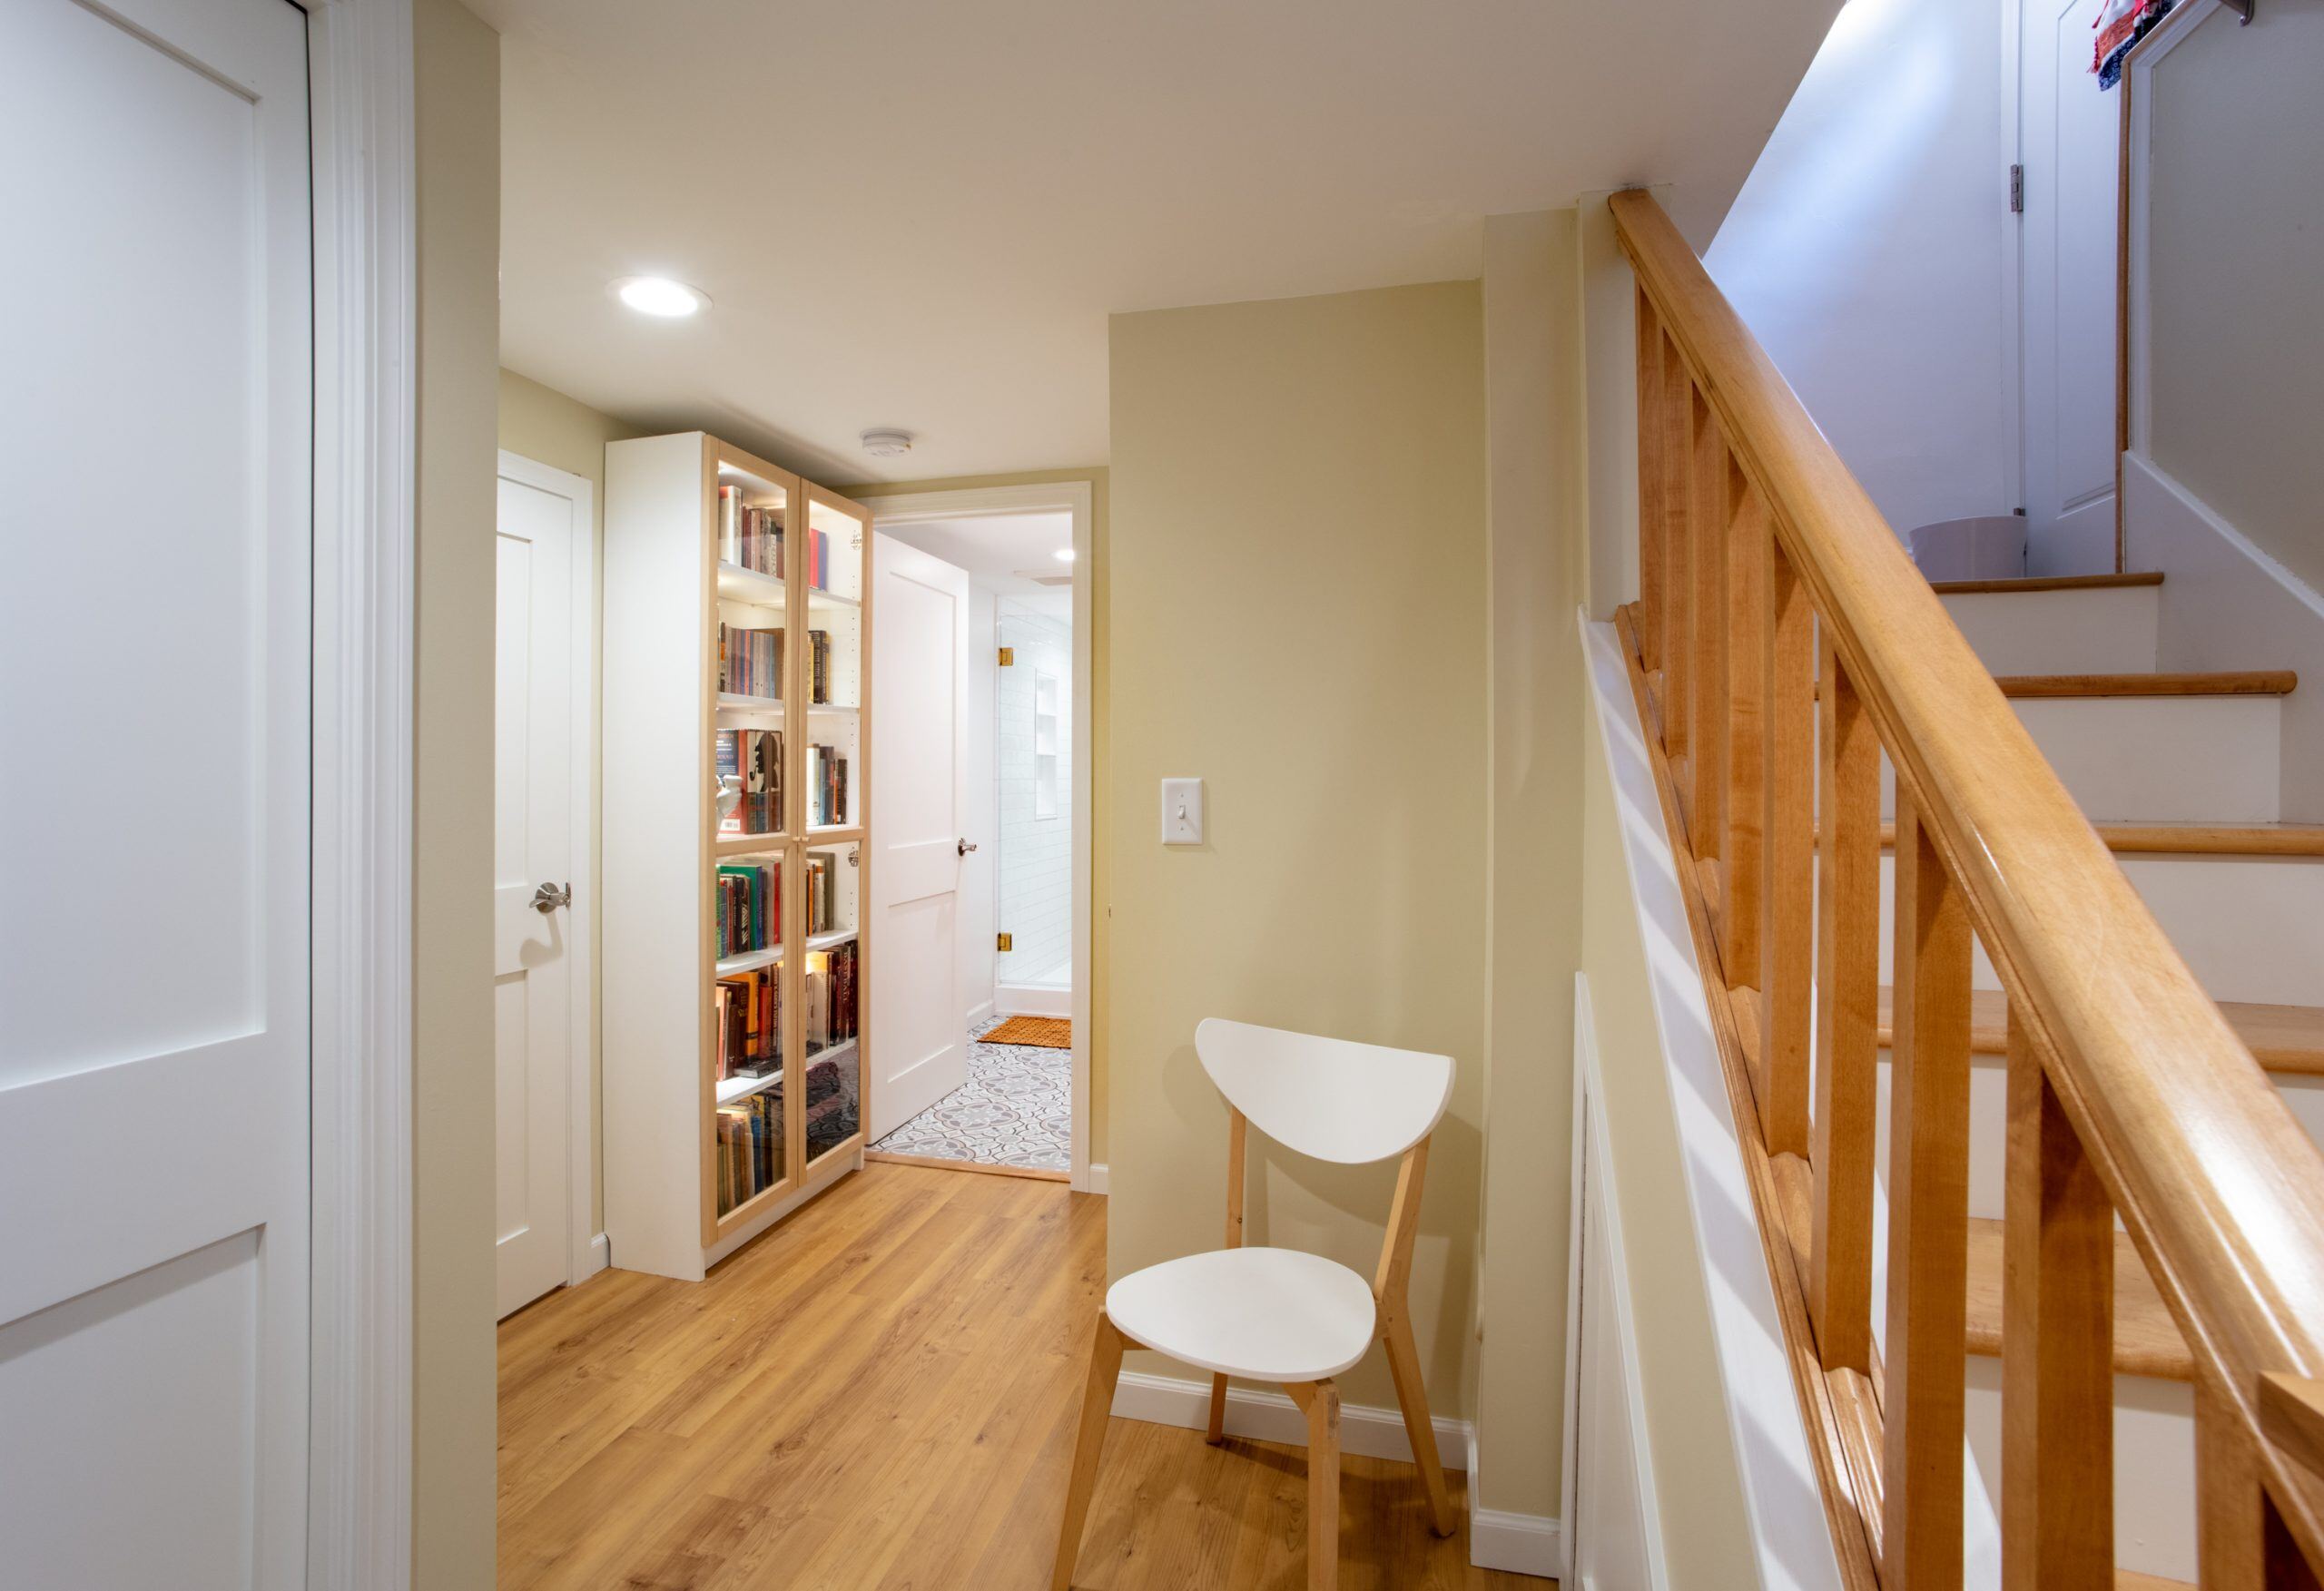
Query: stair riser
[2171, 758]
[2110, 630]
[2250, 928]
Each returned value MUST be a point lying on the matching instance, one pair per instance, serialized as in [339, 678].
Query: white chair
[1278, 1314]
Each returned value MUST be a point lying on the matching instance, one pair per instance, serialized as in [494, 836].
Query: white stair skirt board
[2232, 606]
[2156, 759]
[2104, 630]
[2249, 927]
[1273, 1417]
[1515, 1544]
[1020, 999]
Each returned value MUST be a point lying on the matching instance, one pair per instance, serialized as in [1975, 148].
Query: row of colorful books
[826, 787]
[749, 908]
[750, 1148]
[823, 892]
[747, 1010]
[749, 536]
[831, 998]
[819, 667]
[752, 760]
[750, 662]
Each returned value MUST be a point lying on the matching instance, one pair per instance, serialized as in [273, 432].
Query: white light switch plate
[1182, 811]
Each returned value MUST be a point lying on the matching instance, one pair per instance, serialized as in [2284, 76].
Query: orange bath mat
[1047, 1032]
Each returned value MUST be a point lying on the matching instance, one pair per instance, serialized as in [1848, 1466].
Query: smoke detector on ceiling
[886, 442]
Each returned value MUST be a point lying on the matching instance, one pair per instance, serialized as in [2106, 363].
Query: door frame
[905, 505]
[361, 155]
[586, 1251]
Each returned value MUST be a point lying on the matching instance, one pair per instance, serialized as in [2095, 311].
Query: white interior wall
[1035, 863]
[982, 816]
[1870, 251]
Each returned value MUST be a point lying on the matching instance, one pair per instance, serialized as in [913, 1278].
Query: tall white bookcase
[735, 926]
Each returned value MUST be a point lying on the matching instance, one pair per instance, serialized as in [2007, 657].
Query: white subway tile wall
[1036, 886]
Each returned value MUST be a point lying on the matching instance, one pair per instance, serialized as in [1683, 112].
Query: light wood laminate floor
[880, 1393]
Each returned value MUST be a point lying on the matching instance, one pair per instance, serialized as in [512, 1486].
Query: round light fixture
[659, 296]
[1063, 555]
[886, 442]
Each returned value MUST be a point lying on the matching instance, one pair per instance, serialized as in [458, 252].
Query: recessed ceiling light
[658, 295]
[887, 442]
[1063, 555]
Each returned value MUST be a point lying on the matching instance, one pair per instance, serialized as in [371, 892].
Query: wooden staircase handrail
[2221, 1189]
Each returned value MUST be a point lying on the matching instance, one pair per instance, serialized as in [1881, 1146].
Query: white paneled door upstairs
[919, 791]
[155, 524]
[2070, 140]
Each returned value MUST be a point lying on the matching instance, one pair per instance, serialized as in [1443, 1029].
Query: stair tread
[2132, 1580]
[2223, 683]
[2029, 583]
[2194, 839]
[2284, 1038]
[2146, 1339]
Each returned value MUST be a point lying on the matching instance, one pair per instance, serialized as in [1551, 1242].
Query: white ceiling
[999, 550]
[918, 213]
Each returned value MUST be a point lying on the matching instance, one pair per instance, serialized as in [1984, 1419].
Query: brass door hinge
[1004, 940]
[1007, 656]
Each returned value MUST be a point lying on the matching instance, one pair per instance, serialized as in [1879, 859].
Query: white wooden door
[543, 534]
[919, 686]
[2070, 145]
[155, 667]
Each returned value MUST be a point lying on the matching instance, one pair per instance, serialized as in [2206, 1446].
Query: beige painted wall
[1101, 818]
[456, 72]
[1706, 1532]
[2236, 242]
[1536, 463]
[543, 425]
[1297, 615]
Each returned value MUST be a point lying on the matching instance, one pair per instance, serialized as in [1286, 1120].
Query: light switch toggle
[1182, 811]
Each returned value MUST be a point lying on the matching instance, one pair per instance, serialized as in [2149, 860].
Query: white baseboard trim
[1020, 999]
[1097, 1178]
[1515, 1544]
[1273, 1417]
[979, 1012]
[601, 1254]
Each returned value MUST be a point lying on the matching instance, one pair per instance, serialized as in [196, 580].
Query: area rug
[1015, 1110]
[1045, 1032]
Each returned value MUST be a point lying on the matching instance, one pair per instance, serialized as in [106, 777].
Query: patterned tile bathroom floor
[1015, 1109]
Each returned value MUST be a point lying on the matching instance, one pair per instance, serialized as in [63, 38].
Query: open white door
[542, 536]
[919, 790]
[2071, 147]
[156, 696]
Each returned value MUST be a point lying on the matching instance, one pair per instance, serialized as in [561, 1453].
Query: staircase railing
[1781, 641]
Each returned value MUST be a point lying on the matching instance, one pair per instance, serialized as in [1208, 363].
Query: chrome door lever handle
[549, 897]
[966, 846]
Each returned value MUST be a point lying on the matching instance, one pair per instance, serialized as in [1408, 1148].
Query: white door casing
[2069, 141]
[918, 772]
[542, 747]
[156, 476]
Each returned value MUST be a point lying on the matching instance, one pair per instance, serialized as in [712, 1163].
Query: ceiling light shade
[886, 442]
[659, 296]
[1063, 555]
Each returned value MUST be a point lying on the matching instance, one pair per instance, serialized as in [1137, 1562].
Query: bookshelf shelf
[731, 1089]
[735, 594]
[750, 961]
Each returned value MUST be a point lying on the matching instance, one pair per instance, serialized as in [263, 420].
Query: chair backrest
[1327, 1097]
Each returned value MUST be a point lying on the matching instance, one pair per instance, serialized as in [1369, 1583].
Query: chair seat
[1263, 1314]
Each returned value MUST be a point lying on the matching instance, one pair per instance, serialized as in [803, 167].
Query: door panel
[155, 700]
[2072, 154]
[540, 533]
[920, 771]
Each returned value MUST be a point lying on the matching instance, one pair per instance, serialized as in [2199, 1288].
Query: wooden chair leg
[1217, 1411]
[1411, 1397]
[1097, 1407]
[1320, 1401]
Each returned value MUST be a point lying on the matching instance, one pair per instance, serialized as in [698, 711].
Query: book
[750, 536]
[750, 662]
[752, 760]
[747, 910]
